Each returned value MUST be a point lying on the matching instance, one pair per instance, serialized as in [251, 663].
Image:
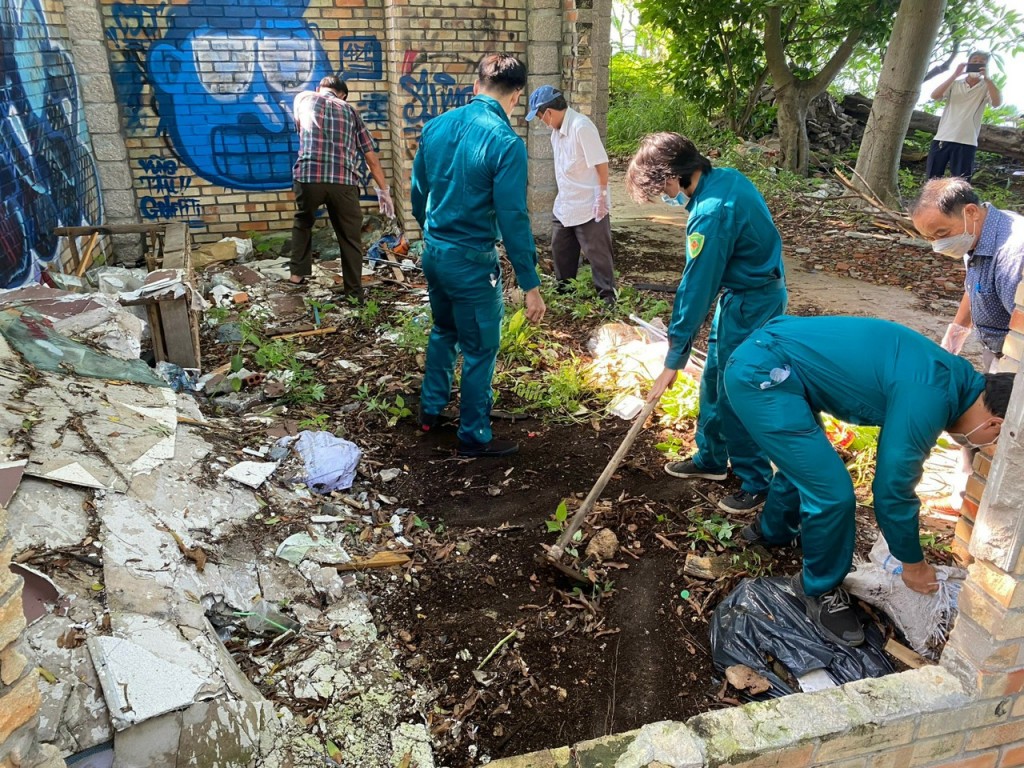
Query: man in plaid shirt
[331, 137]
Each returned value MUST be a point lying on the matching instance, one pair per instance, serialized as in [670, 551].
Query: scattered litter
[378, 560]
[301, 545]
[330, 461]
[180, 379]
[763, 619]
[387, 475]
[266, 619]
[251, 473]
[743, 678]
[627, 406]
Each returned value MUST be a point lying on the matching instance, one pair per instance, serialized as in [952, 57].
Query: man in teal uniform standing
[732, 247]
[468, 192]
[864, 371]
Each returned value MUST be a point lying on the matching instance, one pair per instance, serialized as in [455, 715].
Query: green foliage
[557, 522]
[368, 313]
[715, 531]
[217, 315]
[561, 393]
[680, 401]
[317, 421]
[277, 356]
[391, 410]
[412, 331]
[518, 339]
[641, 101]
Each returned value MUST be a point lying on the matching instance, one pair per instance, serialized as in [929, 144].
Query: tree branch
[775, 50]
[828, 73]
[940, 68]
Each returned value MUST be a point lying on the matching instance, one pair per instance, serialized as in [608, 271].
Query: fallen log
[1008, 142]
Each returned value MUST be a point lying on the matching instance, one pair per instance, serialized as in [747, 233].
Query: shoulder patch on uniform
[694, 244]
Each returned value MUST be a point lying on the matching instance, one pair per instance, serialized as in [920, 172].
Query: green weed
[518, 339]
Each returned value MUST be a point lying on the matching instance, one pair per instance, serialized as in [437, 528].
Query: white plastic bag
[925, 620]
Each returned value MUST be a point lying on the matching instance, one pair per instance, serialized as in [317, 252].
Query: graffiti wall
[206, 89]
[48, 173]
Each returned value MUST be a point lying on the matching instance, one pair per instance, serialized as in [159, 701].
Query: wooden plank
[87, 257]
[75, 258]
[379, 560]
[107, 229]
[178, 334]
[911, 658]
[156, 332]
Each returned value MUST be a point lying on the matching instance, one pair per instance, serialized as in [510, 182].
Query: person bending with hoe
[732, 248]
[864, 371]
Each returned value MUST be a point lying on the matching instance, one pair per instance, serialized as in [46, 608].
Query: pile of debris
[159, 638]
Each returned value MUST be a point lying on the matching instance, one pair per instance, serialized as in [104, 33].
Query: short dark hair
[996, 396]
[501, 72]
[947, 195]
[558, 104]
[335, 83]
[984, 54]
[660, 157]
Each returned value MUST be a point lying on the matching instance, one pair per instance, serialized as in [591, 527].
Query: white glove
[387, 205]
[601, 203]
[954, 338]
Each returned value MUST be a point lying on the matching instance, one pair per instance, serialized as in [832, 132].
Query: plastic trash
[395, 243]
[762, 622]
[180, 379]
[330, 461]
[265, 619]
[925, 620]
[300, 545]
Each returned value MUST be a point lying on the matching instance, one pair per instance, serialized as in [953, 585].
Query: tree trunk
[791, 115]
[899, 86]
[1008, 142]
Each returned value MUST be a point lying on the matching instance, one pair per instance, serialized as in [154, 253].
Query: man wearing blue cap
[864, 371]
[732, 249]
[469, 191]
[580, 221]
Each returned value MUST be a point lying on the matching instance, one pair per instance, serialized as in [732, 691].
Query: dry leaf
[743, 678]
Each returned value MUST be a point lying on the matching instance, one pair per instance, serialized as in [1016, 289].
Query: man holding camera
[956, 141]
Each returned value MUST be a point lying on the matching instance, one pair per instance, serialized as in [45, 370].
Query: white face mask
[965, 439]
[680, 199]
[955, 246]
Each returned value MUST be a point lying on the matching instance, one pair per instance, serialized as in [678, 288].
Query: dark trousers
[959, 158]
[594, 238]
[342, 202]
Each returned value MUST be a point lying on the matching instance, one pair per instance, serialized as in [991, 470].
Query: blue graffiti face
[225, 98]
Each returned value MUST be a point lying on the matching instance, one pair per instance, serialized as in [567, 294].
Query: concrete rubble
[170, 644]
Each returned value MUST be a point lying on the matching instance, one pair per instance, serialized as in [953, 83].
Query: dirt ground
[633, 649]
[516, 657]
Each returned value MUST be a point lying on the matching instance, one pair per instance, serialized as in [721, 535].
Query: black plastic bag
[762, 619]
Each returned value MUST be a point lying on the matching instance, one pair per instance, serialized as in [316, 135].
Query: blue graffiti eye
[224, 63]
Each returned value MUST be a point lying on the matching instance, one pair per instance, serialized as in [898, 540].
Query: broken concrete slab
[46, 515]
[74, 713]
[96, 435]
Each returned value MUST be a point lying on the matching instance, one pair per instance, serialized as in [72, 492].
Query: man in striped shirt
[331, 139]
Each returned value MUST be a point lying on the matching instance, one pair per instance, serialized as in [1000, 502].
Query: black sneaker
[752, 536]
[832, 613]
[687, 469]
[741, 501]
[492, 449]
[429, 421]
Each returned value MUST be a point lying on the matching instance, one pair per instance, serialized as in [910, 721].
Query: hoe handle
[602, 481]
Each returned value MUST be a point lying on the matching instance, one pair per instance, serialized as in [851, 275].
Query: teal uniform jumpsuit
[732, 246]
[468, 192]
[863, 371]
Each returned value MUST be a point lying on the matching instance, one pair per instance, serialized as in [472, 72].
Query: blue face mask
[679, 199]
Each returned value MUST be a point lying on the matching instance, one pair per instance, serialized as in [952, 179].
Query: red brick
[996, 735]
[993, 685]
[1013, 756]
[975, 487]
[1017, 320]
[781, 758]
[964, 524]
[982, 464]
[985, 760]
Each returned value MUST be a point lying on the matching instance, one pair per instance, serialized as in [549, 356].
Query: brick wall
[19, 682]
[48, 172]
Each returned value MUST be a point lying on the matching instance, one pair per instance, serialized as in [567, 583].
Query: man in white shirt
[956, 141]
[580, 221]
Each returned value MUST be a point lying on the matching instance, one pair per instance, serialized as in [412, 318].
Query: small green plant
[368, 313]
[217, 315]
[931, 541]
[557, 522]
[318, 421]
[413, 331]
[680, 402]
[715, 531]
[392, 411]
[752, 563]
[518, 339]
